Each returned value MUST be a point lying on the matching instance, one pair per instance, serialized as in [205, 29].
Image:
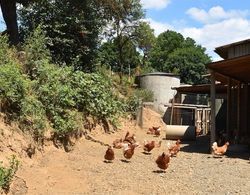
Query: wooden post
[172, 112]
[213, 107]
[140, 114]
[229, 108]
[238, 113]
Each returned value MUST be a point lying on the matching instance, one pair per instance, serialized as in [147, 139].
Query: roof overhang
[222, 51]
[235, 68]
[201, 89]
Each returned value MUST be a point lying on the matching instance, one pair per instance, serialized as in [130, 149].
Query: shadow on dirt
[202, 145]
[146, 153]
[159, 171]
[125, 161]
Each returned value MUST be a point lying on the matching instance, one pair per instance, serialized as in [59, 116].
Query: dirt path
[83, 171]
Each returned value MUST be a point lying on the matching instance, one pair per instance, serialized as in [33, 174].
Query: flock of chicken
[128, 144]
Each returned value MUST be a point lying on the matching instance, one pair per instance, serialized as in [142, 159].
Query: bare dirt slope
[83, 170]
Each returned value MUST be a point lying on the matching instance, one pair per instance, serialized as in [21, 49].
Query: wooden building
[234, 73]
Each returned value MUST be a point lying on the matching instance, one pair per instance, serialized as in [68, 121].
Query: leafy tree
[166, 43]
[10, 17]
[73, 28]
[173, 53]
[124, 17]
[189, 63]
[109, 55]
[145, 39]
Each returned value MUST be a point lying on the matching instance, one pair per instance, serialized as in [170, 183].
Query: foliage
[146, 39]
[109, 56]
[7, 174]
[5, 56]
[124, 17]
[52, 95]
[133, 101]
[94, 98]
[36, 51]
[14, 87]
[189, 63]
[145, 95]
[72, 27]
[166, 43]
[173, 53]
[64, 93]
[33, 115]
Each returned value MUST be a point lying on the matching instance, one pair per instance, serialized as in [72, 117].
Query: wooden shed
[234, 73]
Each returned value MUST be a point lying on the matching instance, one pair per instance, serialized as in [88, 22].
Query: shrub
[145, 95]
[133, 101]
[33, 115]
[53, 89]
[36, 51]
[5, 52]
[7, 174]
[14, 87]
[96, 97]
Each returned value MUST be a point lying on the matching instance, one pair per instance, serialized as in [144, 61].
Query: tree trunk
[10, 17]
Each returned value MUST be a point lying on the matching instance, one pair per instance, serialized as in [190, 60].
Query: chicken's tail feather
[214, 146]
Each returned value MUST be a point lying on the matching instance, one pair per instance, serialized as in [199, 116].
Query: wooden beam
[238, 113]
[213, 107]
[229, 108]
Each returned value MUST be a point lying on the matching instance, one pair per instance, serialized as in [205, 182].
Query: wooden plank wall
[239, 50]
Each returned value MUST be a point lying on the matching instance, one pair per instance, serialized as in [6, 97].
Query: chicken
[118, 143]
[220, 150]
[129, 139]
[158, 132]
[109, 155]
[128, 151]
[148, 146]
[174, 149]
[154, 131]
[163, 160]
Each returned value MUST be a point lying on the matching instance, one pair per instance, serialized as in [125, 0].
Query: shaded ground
[83, 170]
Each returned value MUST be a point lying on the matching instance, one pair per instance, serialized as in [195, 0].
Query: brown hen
[148, 146]
[174, 149]
[220, 150]
[109, 155]
[162, 161]
[128, 151]
[129, 139]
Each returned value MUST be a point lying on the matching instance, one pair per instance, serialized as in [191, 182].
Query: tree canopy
[173, 53]
[145, 40]
[72, 27]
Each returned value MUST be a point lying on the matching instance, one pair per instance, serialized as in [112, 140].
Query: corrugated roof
[201, 89]
[235, 68]
[222, 51]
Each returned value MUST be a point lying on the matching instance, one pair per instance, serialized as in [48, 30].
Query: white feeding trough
[183, 132]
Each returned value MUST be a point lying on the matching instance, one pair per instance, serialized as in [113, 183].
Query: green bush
[33, 115]
[14, 87]
[5, 52]
[7, 174]
[145, 95]
[36, 51]
[95, 96]
[64, 93]
[133, 101]
[41, 93]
